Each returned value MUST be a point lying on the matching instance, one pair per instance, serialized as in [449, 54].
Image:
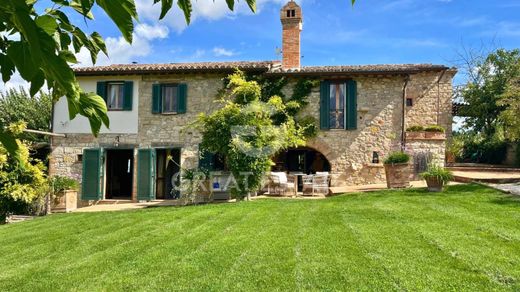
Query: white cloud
[222, 52]
[202, 9]
[15, 83]
[120, 51]
[150, 32]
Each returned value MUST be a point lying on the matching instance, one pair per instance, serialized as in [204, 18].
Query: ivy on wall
[294, 104]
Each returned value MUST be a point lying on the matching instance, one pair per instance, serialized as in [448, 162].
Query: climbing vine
[294, 104]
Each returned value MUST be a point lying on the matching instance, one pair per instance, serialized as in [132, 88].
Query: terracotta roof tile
[174, 68]
[363, 69]
[270, 67]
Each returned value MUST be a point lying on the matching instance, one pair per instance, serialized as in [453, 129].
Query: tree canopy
[17, 105]
[41, 46]
[246, 134]
[491, 81]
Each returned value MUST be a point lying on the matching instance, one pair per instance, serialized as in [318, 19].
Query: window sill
[169, 114]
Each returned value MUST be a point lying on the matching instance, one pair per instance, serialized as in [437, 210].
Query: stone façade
[379, 109]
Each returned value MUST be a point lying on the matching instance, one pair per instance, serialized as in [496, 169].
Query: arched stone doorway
[302, 160]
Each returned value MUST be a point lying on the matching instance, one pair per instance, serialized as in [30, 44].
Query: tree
[245, 133]
[489, 79]
[511, 115]
[22, 181]
[41, 47]
[19, 106]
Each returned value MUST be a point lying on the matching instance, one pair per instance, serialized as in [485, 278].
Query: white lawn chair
[318, 183]
[280, 183]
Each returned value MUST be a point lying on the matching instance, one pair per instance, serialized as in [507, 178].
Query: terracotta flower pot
[434, 184]
[397, 175]
[434, 135]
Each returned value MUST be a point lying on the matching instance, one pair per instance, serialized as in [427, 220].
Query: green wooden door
[92, 177]
[146, 162]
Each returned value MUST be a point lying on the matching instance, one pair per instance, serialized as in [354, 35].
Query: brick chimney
[292, 24]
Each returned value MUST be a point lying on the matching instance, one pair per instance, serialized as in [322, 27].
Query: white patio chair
[307, 183]
[320, 184]
[280, 183]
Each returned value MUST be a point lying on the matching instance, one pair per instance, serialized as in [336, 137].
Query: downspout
[439, 96]
[403, 120]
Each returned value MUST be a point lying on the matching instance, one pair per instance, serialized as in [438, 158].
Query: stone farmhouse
[362, 111]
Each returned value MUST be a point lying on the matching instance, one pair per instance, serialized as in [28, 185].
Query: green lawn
[465, 239]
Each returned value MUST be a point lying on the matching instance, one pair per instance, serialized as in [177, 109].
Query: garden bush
[435, 129]
[415, 128]
[487, 151]
[397, 157]
[440, 173]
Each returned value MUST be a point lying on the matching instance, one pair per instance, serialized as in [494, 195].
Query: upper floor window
[169, 98]
[115, 95]
[118, 95]
[337, 105]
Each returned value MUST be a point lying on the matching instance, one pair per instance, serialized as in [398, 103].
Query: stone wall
[380, 107]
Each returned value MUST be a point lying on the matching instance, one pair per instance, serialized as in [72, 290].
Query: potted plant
[397, 170]
[434, 132]
[454, 150]
[415, 132]
[64, 193]
[436, 177]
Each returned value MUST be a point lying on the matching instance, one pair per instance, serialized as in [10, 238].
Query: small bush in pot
[434, 129]
[397, 157]
[415, 128]
[436, 177]
[397, 170]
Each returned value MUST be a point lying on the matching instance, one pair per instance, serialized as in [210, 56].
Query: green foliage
[63, 183]
[434, 129]
[302, 89]
[415, 129]
[478, 149]
[440, 173]
[18, 106]
[192, 182]
[456, 146]
[397, 157]
[309, 125]
[510, 116]
[22, 181]
[491, 77]
[244, 132]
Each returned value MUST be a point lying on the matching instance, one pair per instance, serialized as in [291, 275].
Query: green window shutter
[101, 90]
[129, 95]
[156, 99]
[92, 176]
[182, 98]
[325, 105]
[206, 159]
[351, 105]
[146, 174]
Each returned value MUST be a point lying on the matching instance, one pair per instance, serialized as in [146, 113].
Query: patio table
[297, 175]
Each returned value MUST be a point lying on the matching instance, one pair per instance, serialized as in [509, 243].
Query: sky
[334, 32]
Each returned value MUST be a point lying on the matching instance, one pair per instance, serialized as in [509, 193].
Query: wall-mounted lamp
[116, 141]
[375, 157]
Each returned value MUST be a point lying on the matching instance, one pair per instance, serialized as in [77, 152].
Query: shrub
[397, 157]
[486, 151]
[438, 172]
[309, 125]
[435, 129]
[415, 128]
[63, 183]
[22, 183]
[517, 162]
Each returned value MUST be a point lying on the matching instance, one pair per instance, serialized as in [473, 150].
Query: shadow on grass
[507, 200]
